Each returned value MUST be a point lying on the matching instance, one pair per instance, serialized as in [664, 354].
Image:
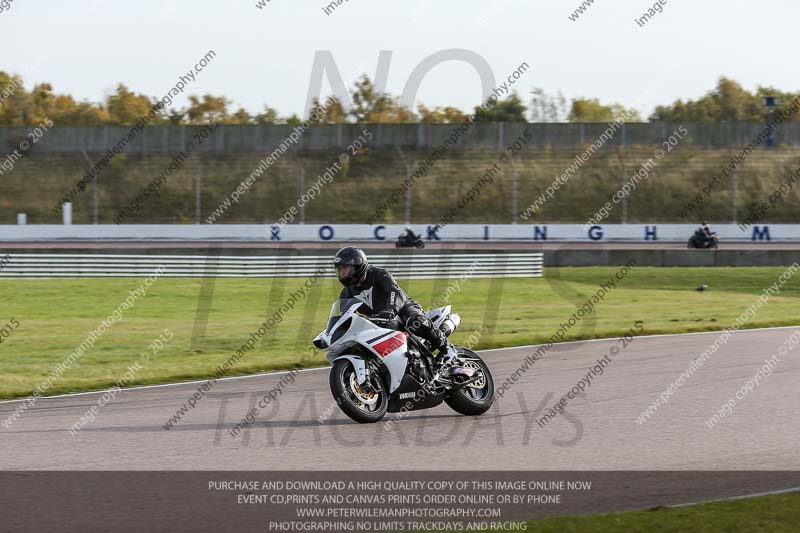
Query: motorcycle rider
[377, 288]
[708, 235]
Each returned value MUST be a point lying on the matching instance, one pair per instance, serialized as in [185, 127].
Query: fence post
[501, 133]
[514, 195]
[94, 186]
[94, 200]
[408, 189]
[197, 188]
[302, 187]
[733, 197]
[622, 184]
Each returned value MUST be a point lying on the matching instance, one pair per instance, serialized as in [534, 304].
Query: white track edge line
[734, 498]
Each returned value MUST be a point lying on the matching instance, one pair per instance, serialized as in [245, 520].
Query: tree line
[19, 106]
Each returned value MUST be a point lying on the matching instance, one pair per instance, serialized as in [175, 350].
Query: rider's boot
[446, 358]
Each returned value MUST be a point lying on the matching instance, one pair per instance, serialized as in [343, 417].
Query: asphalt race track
[599, 431]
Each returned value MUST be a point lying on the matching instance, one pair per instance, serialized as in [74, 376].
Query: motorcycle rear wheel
[360, 404]
[473, 400]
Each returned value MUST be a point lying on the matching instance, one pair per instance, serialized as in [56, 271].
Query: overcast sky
[265, 56]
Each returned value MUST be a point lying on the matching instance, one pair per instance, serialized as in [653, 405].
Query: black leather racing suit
[379, 290]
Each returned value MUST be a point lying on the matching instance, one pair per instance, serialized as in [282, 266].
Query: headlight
[320, 344]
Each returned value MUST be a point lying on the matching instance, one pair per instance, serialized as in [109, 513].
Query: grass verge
[767, 514]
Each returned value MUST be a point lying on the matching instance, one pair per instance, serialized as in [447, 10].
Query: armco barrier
[402, 266]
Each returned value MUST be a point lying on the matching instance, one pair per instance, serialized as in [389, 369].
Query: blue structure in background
[770, 102]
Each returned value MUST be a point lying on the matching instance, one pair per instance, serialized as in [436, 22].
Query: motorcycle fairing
[389, 346]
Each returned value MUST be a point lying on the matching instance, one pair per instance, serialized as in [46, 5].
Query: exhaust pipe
[450, 324]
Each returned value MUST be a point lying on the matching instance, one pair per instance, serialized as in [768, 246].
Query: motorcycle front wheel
[359, 402]
[476, 397]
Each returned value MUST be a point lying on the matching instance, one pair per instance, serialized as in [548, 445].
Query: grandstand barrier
[427, 266]
[320, 233]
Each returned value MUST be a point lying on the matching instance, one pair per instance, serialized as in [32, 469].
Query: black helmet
[353, 257]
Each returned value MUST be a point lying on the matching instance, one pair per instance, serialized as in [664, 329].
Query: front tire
[477, 398]
[361, 405]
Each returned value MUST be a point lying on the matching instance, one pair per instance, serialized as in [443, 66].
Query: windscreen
[340, 307]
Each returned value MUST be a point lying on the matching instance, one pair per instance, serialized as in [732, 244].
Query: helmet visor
[343, 272]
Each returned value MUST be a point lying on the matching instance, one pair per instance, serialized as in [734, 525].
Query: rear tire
[471, 401]
[345, 392]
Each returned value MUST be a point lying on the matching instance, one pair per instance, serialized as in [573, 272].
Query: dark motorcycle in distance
[407, 241]
[701, 240]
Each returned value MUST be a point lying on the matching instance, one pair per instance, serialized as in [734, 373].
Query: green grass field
[768, 514]
[55, 316]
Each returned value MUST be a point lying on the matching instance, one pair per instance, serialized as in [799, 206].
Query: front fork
[365, 372]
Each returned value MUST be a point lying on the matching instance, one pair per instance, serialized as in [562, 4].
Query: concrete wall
[672, 258]
[535, 234]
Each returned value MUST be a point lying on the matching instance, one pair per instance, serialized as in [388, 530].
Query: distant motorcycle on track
[379, 369]
[409, 240]
[702, 240]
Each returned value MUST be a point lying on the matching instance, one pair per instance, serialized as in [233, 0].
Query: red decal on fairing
[386, 347]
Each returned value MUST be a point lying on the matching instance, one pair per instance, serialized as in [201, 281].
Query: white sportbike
[378, 369]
